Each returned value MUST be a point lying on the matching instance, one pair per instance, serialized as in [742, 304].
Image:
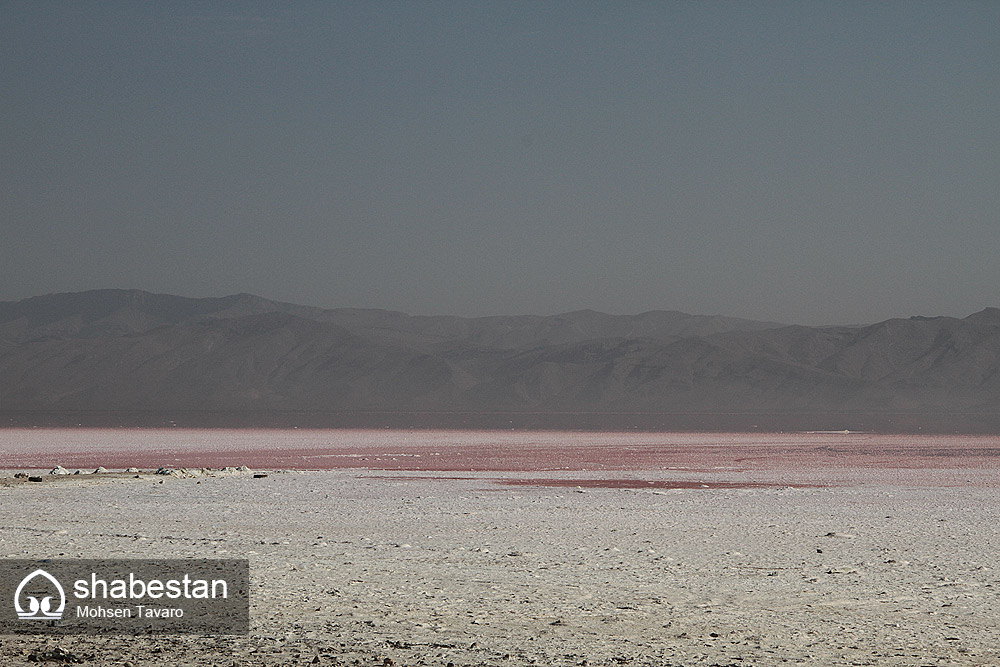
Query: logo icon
[37, 591]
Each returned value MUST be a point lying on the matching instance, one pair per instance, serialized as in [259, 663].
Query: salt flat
[882, 565]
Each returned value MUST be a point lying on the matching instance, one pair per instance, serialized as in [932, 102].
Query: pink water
[774, 457]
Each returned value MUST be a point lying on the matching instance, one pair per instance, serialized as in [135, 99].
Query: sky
[802, 162]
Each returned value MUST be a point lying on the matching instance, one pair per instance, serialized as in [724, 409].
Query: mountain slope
[117, 352]
[120, 312]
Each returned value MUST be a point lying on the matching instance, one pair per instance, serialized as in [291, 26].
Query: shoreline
[886, 422]
[844, 459]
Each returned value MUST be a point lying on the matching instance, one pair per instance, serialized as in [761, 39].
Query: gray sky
[809, 162]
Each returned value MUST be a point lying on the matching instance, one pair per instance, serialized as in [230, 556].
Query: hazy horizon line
[492, 315]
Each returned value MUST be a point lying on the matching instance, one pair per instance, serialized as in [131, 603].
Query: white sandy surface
[355, 567]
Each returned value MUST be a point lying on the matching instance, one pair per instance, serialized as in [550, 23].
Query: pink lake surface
[745, 458]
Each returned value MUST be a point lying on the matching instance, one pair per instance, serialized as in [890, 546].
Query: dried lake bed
[536, 548]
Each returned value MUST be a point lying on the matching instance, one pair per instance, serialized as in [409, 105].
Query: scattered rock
[164, 471]
[59, 654]
[131, 470]
[100, 469]
[59, 470]
[21, 475]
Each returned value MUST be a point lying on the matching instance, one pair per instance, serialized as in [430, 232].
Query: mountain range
[127, 357]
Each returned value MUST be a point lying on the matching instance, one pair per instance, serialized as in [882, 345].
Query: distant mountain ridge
[118, 312]
[118, 352]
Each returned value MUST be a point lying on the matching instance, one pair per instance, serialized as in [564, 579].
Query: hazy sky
[809, 162]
